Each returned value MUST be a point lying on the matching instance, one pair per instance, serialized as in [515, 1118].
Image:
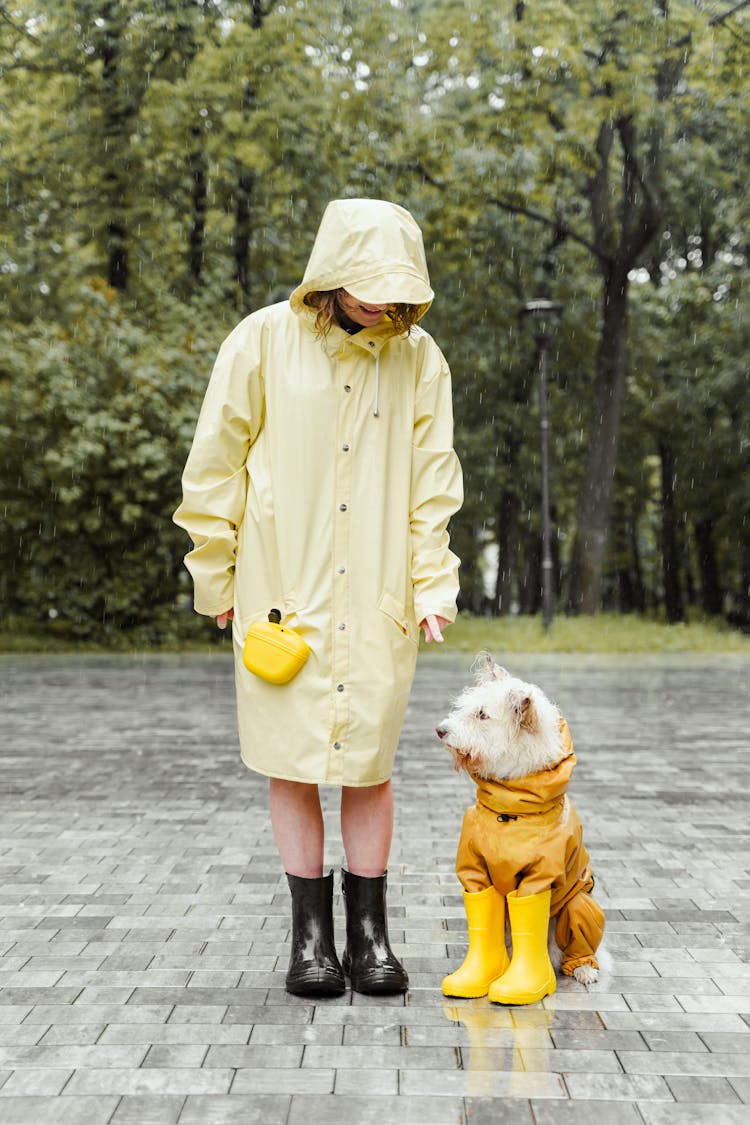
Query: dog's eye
[482, 714]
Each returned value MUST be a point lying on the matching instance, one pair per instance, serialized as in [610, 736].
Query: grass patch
[607, 632]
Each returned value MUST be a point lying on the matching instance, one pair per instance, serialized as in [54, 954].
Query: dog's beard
[499, 767]
[469, 762]
[461, 760]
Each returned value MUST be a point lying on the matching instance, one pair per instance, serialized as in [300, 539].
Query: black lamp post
[545, 317]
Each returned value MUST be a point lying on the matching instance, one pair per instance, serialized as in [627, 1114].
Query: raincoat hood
[537, 792]
[371, 248]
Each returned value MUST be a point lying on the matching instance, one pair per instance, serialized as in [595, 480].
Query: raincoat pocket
[395, 611]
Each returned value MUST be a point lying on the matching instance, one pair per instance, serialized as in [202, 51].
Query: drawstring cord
[375, 410]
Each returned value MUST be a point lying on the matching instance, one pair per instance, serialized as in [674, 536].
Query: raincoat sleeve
[214, 483]
[436, 492]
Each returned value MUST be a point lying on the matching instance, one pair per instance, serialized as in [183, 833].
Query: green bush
[96, 417]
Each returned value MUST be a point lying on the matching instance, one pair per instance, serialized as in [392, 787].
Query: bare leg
[297, 821]
[367, 828]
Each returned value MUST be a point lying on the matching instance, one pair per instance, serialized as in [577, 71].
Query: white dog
[523, 838]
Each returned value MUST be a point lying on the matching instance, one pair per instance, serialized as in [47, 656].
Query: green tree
[95, 422]
[572, 119]
[183, 152]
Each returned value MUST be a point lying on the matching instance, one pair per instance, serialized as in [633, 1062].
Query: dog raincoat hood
[535, 793]
[320, 482]
[371, 248]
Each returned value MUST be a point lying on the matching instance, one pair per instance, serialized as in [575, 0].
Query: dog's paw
[586, 974]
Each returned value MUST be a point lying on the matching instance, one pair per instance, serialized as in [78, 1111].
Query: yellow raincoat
[524, 834]
[320, 482]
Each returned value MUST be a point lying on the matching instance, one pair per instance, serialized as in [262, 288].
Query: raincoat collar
[340, 343]
[370, 340]
[374, 250]
[540, 792]
[537, 792]
[520, 796]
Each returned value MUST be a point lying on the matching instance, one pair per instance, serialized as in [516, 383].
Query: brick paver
[144, 918]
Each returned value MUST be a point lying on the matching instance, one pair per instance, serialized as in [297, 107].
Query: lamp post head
[544, 315]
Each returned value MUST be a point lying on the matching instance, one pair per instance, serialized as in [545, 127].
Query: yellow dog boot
[487, 957]
[530, 976]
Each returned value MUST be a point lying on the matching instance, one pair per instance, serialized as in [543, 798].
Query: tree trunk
[595, 496]
[507, 554]
[673, 602]
[199, 207]
[618, 249]
[689, 585]
[632, 594]
[245, 185]
[243, 235]
[117, 113]
[117, 255]
[712, 598]
[471, 594]
[638, 585]
[741, 615]
[530, 594]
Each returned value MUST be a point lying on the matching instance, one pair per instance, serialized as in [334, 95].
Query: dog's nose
[441, 732]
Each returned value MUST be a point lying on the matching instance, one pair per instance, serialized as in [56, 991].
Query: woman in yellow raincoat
[320, 482]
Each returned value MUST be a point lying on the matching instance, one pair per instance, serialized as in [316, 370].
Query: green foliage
[97, 417]
[184, 153]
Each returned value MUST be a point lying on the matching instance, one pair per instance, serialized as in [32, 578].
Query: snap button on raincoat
[320, 481]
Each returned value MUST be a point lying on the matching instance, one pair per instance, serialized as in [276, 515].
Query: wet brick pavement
[144, 919]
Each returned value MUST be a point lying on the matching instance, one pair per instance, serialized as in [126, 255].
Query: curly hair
[329, 312]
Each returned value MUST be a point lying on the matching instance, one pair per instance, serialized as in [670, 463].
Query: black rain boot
[368, 958]
[314, 968]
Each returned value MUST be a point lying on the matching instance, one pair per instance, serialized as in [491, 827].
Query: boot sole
[315, 990]
[378, 986]
[317, 986]
[525, 997]
[466, 993]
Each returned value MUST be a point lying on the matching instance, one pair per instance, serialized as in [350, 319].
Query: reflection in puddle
[496, 1037]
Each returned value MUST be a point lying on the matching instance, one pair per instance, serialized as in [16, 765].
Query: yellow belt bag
[273, 651]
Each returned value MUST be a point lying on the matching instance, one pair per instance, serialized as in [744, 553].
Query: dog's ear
[528, 719]
[485, 668]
